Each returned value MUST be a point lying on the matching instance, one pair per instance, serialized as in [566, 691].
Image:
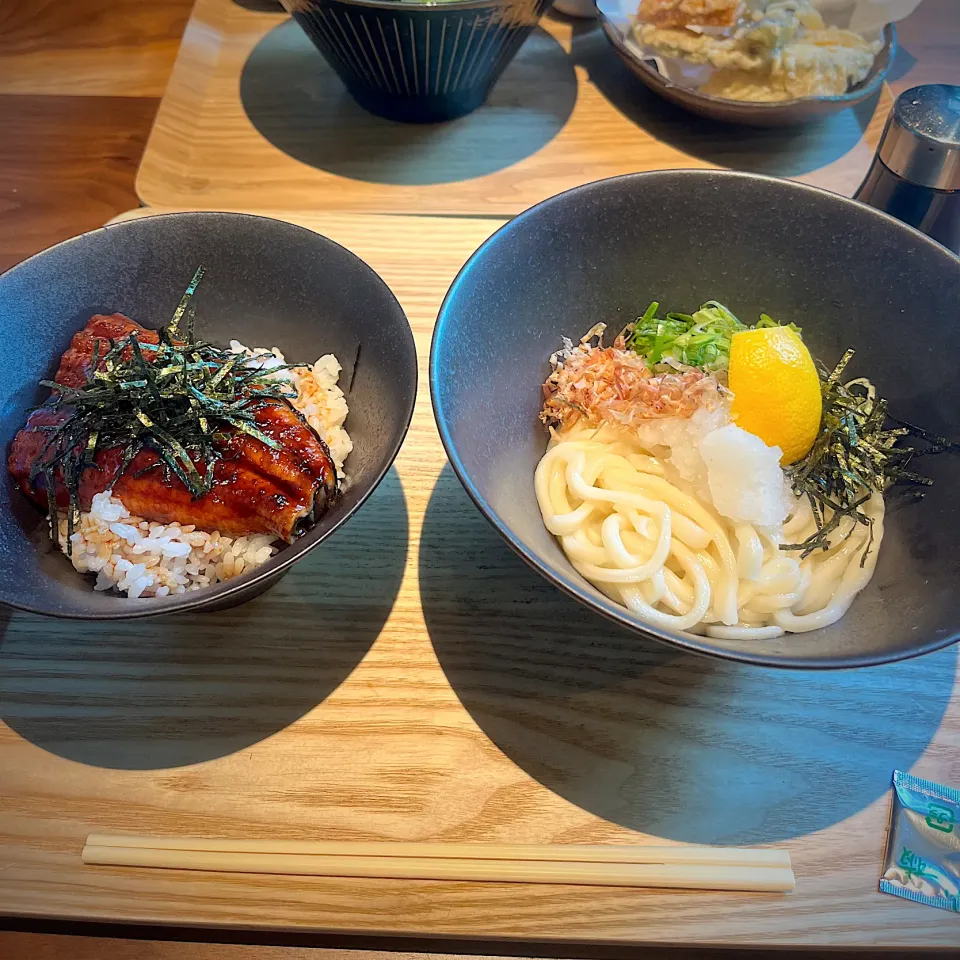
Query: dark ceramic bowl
[849, 275]
[268, 283]
[418, 62]
[783, 113]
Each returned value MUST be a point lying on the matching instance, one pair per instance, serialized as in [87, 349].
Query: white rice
[143, 558]
[147, 559]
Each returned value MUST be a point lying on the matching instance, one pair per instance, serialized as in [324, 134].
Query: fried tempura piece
[684, 13]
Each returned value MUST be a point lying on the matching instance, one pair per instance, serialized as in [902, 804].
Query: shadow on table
[670, 744]
[903, 62]
[261, 6]
[166, 692]
[782, 152]
[298, 103]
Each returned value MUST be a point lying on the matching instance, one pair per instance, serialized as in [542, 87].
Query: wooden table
[413, 680]
[410, 681]
[80, 83]
[254, 119]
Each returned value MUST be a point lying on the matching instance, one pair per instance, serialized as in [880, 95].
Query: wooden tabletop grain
[80, 83]
[169, 945]
[20, 946]
[412, 679]
[91, 48]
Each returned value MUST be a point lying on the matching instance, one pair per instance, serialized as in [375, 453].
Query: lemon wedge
[776, 390]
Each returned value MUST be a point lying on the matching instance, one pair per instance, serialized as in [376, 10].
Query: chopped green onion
[700, 340]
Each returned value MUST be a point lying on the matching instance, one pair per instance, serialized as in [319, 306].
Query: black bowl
[418, 62]
[268, 283]
[847, 274]
[782, 113]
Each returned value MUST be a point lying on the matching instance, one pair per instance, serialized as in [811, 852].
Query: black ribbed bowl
[418, 62]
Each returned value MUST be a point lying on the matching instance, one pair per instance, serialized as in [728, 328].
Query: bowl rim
[863, 91]
[620, 615]
[282, 561]
[431, 6]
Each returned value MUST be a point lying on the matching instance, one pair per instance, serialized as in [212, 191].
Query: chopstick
[689, 867]
[582, 853]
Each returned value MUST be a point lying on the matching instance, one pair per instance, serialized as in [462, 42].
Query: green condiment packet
[923, 846]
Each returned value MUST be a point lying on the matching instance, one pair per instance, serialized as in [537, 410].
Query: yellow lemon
[776, 390]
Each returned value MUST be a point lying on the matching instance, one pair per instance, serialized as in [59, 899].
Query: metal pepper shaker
[915, 175]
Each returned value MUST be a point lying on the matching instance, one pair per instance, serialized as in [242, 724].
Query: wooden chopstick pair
[687, 867]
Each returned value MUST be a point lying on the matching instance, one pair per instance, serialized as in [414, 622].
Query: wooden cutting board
[412, 680]
[254, 119]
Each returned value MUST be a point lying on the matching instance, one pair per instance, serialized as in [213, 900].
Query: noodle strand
[675, 562]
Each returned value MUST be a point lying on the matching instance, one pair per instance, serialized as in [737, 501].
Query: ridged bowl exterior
[418, 63]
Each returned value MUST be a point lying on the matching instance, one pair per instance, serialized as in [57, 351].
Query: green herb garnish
[176, 398]
[855, 455]
[701, 339]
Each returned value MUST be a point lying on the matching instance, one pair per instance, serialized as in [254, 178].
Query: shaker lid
[921, 142]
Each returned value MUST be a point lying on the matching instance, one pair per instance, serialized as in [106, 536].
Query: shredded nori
[856, 453]
[176, 398]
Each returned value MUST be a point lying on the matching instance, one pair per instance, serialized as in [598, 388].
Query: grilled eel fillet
[255, 489]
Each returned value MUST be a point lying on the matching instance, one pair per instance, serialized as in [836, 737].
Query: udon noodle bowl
[662, 498]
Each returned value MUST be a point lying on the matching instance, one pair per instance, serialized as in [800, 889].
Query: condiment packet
[923, 846]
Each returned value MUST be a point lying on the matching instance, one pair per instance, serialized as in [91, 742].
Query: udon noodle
[646, 539]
